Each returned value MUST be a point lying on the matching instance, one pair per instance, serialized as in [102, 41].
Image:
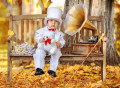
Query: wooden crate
[85, 48]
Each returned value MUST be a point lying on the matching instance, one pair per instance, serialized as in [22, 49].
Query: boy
[52, 22]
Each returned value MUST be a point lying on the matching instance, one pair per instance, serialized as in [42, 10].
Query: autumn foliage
[4, 23]
[117, 26]
[86, 77]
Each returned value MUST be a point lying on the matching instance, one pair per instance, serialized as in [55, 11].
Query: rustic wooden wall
[95, 7]
[101, 8]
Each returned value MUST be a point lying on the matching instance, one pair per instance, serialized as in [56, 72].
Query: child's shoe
[39, 71]
[52, 73]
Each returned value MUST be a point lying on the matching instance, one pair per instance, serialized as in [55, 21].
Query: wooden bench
[24, 27]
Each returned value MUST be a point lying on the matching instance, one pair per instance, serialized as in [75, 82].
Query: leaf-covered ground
[86, 77]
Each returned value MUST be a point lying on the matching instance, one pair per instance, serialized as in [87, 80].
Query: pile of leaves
[86, 77]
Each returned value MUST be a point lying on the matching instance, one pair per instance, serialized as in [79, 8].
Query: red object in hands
[48, 41]
[51, 29]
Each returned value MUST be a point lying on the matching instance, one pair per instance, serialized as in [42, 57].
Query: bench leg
[103, 71]
[9, 70]
[104, 62]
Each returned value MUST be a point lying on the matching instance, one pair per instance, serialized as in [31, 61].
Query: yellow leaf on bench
[10, 32]
[92, 64]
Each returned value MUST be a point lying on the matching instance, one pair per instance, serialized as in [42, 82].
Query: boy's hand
[58, 44]
[42, 40]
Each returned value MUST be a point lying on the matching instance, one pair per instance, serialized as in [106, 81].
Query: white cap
[54, 13]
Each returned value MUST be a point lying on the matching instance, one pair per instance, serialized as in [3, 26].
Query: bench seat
[64, 57]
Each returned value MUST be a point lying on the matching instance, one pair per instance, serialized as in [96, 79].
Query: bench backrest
[24, 27]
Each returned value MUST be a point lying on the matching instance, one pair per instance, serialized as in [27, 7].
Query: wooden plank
[33, 32]
[102, 7]
[15, 31]
[93, 33]
[95, 8]
[10, 24]
[64, 57]
[94, 18]
[98, 27]
[19, 32]
[11, 28]
[85, 35]
[82, 36]
[72, 41]
[30, 31]
[61, 28]
[35, 29]
[25, 31]
[40, 23]
[29, 17]
[82, 1]
[104, 61]
[90, 7]
[102, 30]
[9, 70]
[66, 39]
[77, 37]
[8, 54]
[42, 16]
[35, 25]
[102, 24]
[66, 49]
[22, 30]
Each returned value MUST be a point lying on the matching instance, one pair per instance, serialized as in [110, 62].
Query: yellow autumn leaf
[117, 85]
[117, 46]
[26, 2]
[46, 3]
[86, 69]
[92, 64]
[10, 1]
[109, 82]
[77, 85]
[119, 64]
[10, 32]
[61, 85]
[37, 4]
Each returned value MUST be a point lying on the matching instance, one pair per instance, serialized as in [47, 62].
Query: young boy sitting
[52, 22]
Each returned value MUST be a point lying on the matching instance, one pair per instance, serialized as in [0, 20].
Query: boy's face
[53, 24]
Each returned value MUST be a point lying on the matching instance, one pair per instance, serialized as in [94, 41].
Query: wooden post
[102, 29]
[104, 61]
[90, 7]
[9, 61]
[9, 64]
